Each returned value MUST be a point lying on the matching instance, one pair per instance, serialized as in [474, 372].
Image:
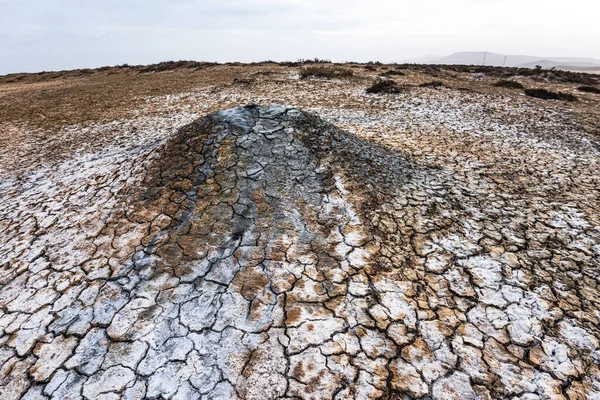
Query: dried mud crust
[260, 252]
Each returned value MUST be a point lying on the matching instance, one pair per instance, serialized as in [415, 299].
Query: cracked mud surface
[426, 251]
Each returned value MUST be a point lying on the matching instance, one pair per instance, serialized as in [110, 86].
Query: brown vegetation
[588, 89]
[50, 100]
[384, 86]
[433, 84]
[314, 71]
[509, 84]
[549, 95]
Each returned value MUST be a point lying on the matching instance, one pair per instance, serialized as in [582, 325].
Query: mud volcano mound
[251, 232]
[239, 187]
[261, 253]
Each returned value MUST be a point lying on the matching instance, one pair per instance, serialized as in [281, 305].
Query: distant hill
[496, 59]
[483, 58]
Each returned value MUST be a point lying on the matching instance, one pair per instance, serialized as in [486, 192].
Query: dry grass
[103, 96]
[433, 84]
[318, 71]
[508, 84]
[51, 100]
[394, 73]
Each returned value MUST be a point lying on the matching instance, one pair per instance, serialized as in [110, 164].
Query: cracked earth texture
[260, 252]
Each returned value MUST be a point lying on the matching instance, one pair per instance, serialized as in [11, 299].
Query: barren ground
[442, 243]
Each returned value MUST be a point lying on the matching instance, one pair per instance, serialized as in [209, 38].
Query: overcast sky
[40, 35]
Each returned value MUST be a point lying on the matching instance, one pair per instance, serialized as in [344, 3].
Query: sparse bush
[396, 72]
[433, 84]
[173, 65]
[370, 68]
[242, 81]
[315, 71]
[289, 63]
[548, 95]
[387, 86]
[575, 77]
[588, 89]
[433, 70]
[508, 84]
[314, 61]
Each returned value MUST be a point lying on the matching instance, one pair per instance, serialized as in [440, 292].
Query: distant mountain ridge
[523, 61]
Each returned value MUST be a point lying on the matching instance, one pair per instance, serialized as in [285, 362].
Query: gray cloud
[43, 35]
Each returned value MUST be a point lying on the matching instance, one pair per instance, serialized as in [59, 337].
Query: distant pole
[504, 63]
[484, 56]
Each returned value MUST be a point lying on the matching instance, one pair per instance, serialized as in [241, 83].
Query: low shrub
[314, 61]
[315, 71]
[508, 84]
[394, 72]
[290, 64]
[387, 86]
[548, 95]
[588, 89]
[173, 65]
[242, 81]
[433, 84]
